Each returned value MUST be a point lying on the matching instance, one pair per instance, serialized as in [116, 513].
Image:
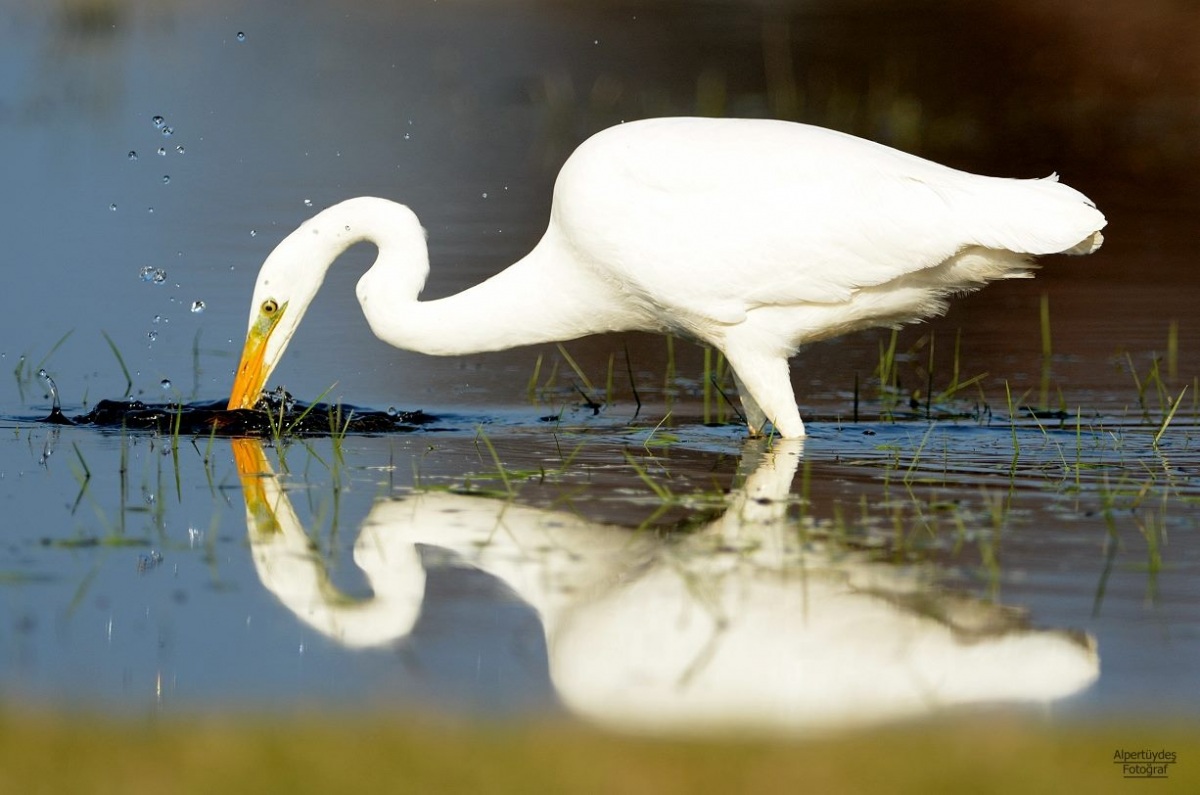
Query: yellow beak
[252, 372]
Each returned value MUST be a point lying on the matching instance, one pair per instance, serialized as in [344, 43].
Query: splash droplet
[241, 36]
[162, 151]
[179, 149]
[42, 374]
[408, 136]
[197, 307]
[308, 202]
[485, 194]
[168, 131]
[159, 121]
[165, 383]
[113, 207]
[166, 179]
[132, 155]
[253, 233]
[152, 335]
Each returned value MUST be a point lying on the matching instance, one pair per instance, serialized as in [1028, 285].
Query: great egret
[753, 236]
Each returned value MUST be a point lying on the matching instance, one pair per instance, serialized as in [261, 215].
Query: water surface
[515, 558]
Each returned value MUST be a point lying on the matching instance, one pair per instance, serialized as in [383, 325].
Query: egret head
[289, 279]
[293, 272]
[265, 342]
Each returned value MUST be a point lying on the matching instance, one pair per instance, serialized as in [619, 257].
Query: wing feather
[717, 216]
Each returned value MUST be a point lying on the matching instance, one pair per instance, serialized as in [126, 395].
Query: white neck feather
[546, 296]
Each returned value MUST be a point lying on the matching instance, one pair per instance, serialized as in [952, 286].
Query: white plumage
[753, 236]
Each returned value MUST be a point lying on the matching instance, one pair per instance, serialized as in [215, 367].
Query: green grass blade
[120, 361]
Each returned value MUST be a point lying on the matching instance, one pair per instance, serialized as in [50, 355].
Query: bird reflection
[747, 623]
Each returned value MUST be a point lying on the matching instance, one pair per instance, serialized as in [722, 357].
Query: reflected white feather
[745, 623]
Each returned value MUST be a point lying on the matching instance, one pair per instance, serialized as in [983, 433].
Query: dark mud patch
[269, 418]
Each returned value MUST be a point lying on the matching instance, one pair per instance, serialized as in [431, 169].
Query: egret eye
[270, 307]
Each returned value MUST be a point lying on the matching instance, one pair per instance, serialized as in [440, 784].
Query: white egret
[752, 236]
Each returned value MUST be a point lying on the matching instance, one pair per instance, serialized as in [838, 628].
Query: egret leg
[755, 417]
[765, 386]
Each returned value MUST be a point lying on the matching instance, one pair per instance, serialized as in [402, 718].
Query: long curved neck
[546, 296]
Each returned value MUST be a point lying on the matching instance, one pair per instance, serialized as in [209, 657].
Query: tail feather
[1035, 216]
[1087, 245]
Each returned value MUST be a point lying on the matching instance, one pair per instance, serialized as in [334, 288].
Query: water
[545, 556]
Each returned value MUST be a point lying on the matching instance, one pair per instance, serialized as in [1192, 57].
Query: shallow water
[643, 568]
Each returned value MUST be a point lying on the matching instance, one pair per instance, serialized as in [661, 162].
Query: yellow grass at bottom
[41, 752]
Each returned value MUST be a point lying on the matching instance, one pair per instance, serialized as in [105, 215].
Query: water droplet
[197, 307]
[147, 273]
[391, 411]
[166, 179]
[168, 131]
[113, 207]
[152, 335]
[253, 233]
[158, 318]
[165, 383]
[160, 276]
[162, 151]
[150, 209]
[308, 202]
[485, 194]
[407, 136]
[179, 149]
[132, 155]
[42, 374]
[241, 36]
[159, 121]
